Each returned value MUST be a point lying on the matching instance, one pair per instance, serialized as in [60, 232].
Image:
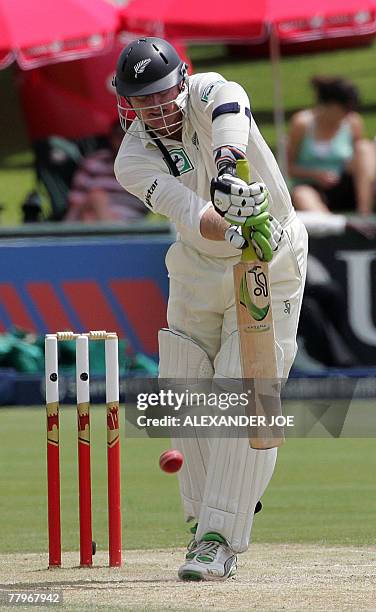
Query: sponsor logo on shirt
[181, 160]
[149, 193]
[208, 89]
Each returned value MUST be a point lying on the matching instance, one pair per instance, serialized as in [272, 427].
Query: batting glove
[239, 203]
[234, 236]
[265, 238]
[226, 157]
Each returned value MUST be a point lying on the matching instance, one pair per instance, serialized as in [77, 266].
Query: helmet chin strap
[171, 164]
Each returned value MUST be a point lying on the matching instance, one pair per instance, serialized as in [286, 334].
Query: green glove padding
[262, 217]
[262, 246]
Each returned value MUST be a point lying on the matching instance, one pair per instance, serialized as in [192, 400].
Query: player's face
[159, 110]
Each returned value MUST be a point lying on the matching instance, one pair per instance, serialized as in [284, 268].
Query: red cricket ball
[171, 461]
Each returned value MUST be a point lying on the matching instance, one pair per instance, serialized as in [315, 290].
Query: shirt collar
[149, 143]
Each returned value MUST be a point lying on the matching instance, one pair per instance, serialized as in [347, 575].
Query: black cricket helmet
[147, 66]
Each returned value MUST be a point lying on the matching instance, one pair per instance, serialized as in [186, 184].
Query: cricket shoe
[209, 559]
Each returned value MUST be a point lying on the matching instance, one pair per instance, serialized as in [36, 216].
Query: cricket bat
[257, 341]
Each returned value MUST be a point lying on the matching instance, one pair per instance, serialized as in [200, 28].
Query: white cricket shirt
[141, 169]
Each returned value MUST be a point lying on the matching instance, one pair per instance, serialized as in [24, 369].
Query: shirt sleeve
[202, 90]
[231, 116]
[161, 192]
[222, 109]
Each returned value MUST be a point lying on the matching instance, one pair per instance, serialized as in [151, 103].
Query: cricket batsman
[179, 157]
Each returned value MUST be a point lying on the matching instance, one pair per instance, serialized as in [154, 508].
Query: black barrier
[350, 260]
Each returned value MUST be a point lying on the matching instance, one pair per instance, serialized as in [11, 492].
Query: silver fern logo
[139, 68]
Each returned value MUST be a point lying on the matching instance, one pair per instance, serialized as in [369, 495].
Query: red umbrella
[37, 32]
[72, 99]
[247, 20]
[191, 21]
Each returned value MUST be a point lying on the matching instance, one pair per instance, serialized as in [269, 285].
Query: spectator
[96, 195]
[331, 165]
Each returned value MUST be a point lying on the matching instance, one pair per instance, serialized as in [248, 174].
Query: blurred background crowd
[309, 72]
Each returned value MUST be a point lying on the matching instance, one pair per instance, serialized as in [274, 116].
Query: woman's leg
[305, 197]
[363, 170]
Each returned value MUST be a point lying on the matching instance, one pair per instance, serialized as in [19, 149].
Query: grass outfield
[322, 490]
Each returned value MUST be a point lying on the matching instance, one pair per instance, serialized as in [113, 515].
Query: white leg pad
[237, 475]
[227, 362]
[192, 476]
[182, 359]
[237, 478]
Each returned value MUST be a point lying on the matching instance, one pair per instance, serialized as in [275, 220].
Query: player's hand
[234, 236]
[266, 237]
[238, 202]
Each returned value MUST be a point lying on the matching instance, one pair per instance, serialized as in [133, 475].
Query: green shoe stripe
[212, 536]
[204, 559]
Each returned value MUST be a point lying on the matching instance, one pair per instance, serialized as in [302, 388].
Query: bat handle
[244, 172]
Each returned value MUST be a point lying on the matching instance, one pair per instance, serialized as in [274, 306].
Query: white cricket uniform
[201, 301]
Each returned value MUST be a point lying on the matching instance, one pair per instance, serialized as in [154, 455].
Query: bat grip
[244, 172]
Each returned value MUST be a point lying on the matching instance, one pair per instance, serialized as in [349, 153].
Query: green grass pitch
[322, 490]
